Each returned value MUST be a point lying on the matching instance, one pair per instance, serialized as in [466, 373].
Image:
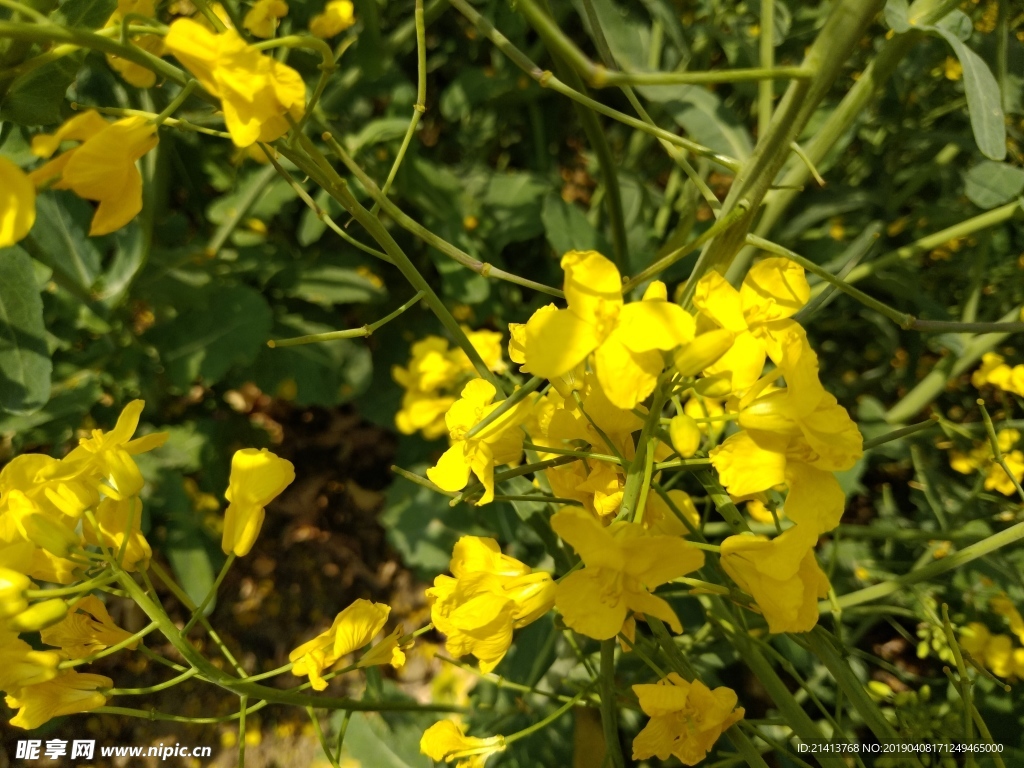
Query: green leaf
[60, 240]
[25, 365]
[129, 256]
[187, 545]
[329, 285]
[37, 97]
[377, 131]
[69, 401]
[226, 326]
[567, 228]
[704, 117]
[87, 14]
[989, 184]
[370, 741]
[897, 15]
[983, 98]
[513, 203]
[628, 35]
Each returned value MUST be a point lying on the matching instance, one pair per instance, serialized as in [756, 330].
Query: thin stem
[482, 268]
[765, 90]
[257, 184]
[898, 433]
[520, 394]
[997, 452]
[75, 589]
[569, 452]
[210, 594]
[322, 739]
[668, 260]
[354, 333]
[541, 724]
[152, 714]
[500, 682]
[609, 716]
[547, 80]
[242, 717]
[188, 673]
[176, 102]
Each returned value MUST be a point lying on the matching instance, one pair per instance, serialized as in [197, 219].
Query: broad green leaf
[37, 98]
[370, 741]
[989, 184]
[628, 35]
[59, 240]
[567, 228]
[227, 326]
[704, 117]
[88, 14]
[983, 98]
[331, 285]
[513, 203]
[470, 88]
[896, 15]
[25, 364]
[129, 256]
[187, 545]
[377, 131]
[69, 401]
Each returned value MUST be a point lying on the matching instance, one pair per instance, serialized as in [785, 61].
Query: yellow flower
[107, 456]
[500, 442]
[686, 719]
[999, 655]
[262, 19]
[627, 339]
[256, 90]
[996, 372]
[337, 16]
[257, 478]
[351, 630]
[981, 457]
[102, 168]
[782, 575]
[66, 694]
[86, 630]
[17, 203]
[685, 435]
[974, 639]
[21, 666]
[659, 517]
[1001, 605]
[387, 651]
[773, 291]
[135, 74]
[48, 532]
[623, 562]
[13, 586]
[487, 597]
[113, 517]
[446, 740]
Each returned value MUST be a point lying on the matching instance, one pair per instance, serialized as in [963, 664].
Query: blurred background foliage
[178, 307]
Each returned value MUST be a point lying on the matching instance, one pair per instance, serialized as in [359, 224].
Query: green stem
[541, 724]
[547, 80]
[355, 333]
[176, 102]
[765, 91]
[407, 223]
[997, 452]
[188, 673]
[210, 594]
[322, 739]
[257, 184]
[609, 716]
[154, 715]
[637, 469]
[75, 589]
[507, 404]
[720, 226]
[826, 58]
[950, 562]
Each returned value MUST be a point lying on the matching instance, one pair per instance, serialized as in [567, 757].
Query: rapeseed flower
[20, 665]
[262, 19]
[17, 203]
[136, 74]
[102, 168]
[500, 442]
[351, 630]
[337, 16]
[257, 92]
[627, 340]
[447, 740]
[686, 718]
[781, 574]
[257, 478]
[66, 694]
[487, 597]
[85, 630]
[623, 562]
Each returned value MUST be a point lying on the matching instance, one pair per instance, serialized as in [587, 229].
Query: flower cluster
[997, 651]
[982, 459]
[994, 371]
[434, 376]
[77, 521]
[51, 511]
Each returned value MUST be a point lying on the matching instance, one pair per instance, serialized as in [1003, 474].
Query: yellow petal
[774, 288]
[647, 325]
[655, 560]
[746, 467]
[452, 470]
[626, 377]
[556, 342]
[591, 604]
[815, 499]
[17, 203]
[593, 286]
[720, 301]
[591, 540]
[357, 625]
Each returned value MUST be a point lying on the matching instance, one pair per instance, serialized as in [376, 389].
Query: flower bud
[770, 413]
[715, 386]
[703, 351]
[685, 434]
[39, 616]
[12, 592]
[533, 595]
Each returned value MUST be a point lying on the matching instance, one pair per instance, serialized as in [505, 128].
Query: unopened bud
[12, 592]
[39, 616]
[703, 351]
[685, 434]
[770, 413]
[719, 385]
